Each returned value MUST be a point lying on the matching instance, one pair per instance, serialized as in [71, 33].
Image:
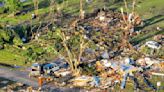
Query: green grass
[152, 9]
[149, 8]
[12, 57]
[15, 20]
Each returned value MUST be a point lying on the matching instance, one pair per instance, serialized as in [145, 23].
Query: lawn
[9, 56]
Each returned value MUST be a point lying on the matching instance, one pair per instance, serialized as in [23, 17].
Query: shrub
[145, 50]
[4, 35]
[12, 5]
[17, 41]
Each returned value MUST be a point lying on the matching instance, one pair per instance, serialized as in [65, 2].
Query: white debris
[85, 37]
[148, 61]
[130, 17]
[158, 83]
[128, 61]
[67, 37]
[62, 73]
[153, 44]
[54, 27]
[81, 81]
[102, 18]
[106, 63]
[158, 74]
[159, 29]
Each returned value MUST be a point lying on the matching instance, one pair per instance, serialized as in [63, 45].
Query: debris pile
[110, 73]
[14, 87]
[108, 20]
[104, 20]
[106, 64]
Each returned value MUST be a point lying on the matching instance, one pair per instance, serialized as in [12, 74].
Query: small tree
[74, 47]
[130, 20]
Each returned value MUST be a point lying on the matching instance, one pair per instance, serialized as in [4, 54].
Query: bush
[160, 53]
[4, 35]
[157, 52]
[11, 6]
[17, 41]
[2, 9]
[1, 44]
[145, 50]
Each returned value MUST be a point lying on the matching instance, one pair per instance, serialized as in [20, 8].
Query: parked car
[35, 70]
[153, 44]
[47, 68]
[50, 68]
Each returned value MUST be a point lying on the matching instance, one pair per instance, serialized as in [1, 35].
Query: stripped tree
[74, 45]
[36, 3]
[130, 20]
[81, 10]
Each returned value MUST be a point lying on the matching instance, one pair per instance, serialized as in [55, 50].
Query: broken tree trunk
[36, 2]
[125, 40]
[81, 10]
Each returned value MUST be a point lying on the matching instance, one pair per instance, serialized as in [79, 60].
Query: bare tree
[73, 57]
[130, 19]
[81, 10]
[36, 3]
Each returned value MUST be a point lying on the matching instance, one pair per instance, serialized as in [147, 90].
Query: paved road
[22, 77]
